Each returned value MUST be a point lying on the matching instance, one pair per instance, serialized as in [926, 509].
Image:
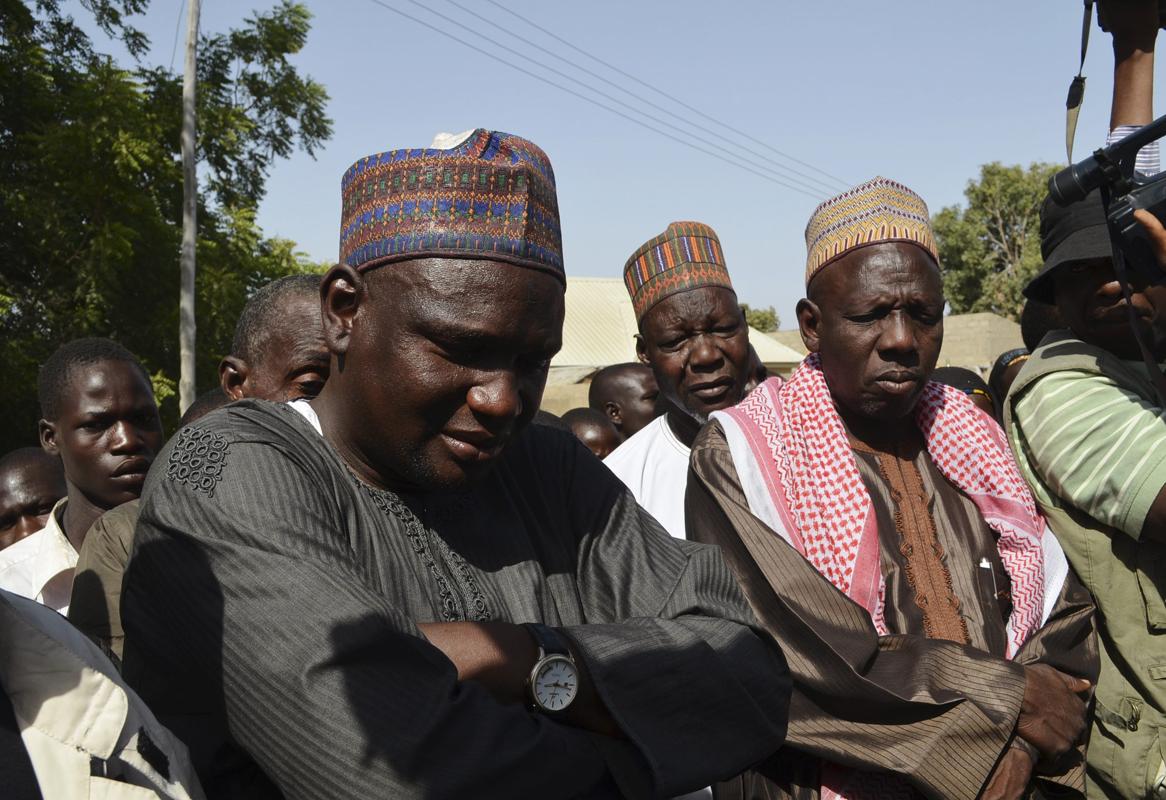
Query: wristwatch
[554, 680]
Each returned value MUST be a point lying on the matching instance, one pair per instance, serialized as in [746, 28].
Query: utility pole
[186, 321]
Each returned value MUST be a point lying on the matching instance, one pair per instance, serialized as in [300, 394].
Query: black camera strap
[1077, 87]
[1119, 268]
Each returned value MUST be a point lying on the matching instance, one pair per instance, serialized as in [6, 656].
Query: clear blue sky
[915, 90]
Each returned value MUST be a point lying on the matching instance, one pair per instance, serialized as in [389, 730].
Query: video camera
[1111, 169]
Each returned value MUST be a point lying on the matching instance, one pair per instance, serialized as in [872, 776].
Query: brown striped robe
[936, 711]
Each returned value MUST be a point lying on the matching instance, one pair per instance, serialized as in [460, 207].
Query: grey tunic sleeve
[673, 649]
[255, 634]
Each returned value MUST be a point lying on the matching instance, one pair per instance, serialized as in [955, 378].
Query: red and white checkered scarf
[819, 503]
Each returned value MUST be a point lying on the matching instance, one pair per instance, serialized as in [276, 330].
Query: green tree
[763, 319]
[91, 187]
[989, 249]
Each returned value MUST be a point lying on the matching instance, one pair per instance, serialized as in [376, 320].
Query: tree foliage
[991, 248]
[91, 187]
[763, 319]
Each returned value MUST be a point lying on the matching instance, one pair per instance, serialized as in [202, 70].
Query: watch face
[555, 683]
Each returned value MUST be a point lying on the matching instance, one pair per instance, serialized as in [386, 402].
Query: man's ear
[233, 372]
[47, 432]
[641, 349]
[341, 293]
[614, 413]
[809, 323]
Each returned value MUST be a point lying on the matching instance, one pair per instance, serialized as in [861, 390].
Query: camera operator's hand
[1134, 25]
[1132, 21]
[1155, 231]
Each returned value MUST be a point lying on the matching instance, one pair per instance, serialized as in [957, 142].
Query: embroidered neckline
[421, 540]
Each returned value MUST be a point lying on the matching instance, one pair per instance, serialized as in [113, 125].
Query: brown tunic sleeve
[95, 607]
[934, 711]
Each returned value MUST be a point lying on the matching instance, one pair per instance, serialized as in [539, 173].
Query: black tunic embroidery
[421, 541]
[197, 459]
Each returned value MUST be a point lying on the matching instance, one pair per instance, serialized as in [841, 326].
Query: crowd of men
[367, 565]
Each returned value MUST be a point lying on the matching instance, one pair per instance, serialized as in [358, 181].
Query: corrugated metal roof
[600, 329]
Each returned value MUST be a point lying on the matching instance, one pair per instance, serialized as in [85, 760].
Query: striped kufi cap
[877, 211]
[686, 256]
[484, 194]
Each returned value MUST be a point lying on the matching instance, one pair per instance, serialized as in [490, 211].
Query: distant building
[600, 330]
[972, 341]
[791, 339]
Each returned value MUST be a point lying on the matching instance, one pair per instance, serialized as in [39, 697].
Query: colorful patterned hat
[686, 256]
[879, 210]
[490, 196]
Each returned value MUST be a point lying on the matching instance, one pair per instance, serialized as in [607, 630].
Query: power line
[674, 99]
[763, 172]
[810, 181]
[719, 156]
[177, 28]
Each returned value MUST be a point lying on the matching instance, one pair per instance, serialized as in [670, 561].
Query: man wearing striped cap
[880, 527]
[403, 589]
[694, 337]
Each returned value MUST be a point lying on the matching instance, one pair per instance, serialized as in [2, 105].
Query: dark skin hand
[437, 364]
[1052, 714]
[107, 434]
[1010, 778]
[697, 344]
[294, 361]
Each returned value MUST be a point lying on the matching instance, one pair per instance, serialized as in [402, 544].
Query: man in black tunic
[325, 599]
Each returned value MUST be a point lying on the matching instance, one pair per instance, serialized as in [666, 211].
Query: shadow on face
[107, 432]
[697, 344]
[31, 483]
[1090, 300]
[438, 364]
[875, 317]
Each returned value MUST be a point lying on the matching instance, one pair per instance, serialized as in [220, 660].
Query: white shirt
[654, 465]
[40, 566]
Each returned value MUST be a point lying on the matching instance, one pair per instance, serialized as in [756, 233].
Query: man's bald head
[31, 482]
[278, 352]
[626, 394]
[593, 429]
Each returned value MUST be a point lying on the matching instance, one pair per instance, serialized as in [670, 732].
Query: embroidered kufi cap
[877, 211]
[487, 195]
[686, 256]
